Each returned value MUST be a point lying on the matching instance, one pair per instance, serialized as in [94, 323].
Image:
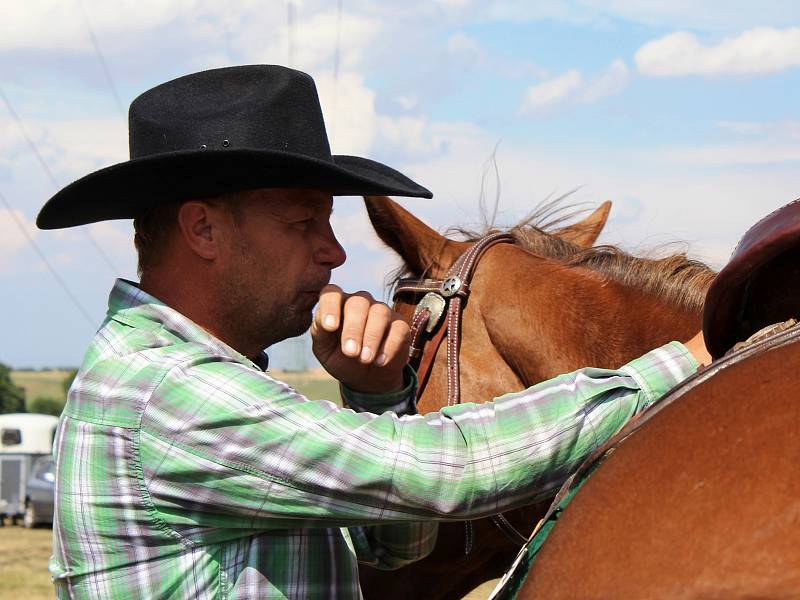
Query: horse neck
[558, 319]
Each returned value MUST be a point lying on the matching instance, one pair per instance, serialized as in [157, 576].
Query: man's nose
[330, 252]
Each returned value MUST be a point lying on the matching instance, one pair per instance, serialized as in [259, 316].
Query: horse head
[536, 308]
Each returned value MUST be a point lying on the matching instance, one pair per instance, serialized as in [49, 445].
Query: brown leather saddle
[759, 286]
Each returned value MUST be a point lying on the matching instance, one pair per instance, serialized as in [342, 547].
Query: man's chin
[292, 323]
[297, 324]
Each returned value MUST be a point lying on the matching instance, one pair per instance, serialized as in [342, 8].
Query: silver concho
[450, 286]
[435, 304]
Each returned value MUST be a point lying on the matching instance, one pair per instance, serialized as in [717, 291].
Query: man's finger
[354, 320]
[330, 307]
[396, 343]
[376, 329]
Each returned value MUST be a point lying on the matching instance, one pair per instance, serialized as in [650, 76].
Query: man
[184, 469]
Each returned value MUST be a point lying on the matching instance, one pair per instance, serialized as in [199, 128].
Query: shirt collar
[130, 305]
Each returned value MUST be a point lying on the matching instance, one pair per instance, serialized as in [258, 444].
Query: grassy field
[23, 563]
[315, 384]
[40, 384]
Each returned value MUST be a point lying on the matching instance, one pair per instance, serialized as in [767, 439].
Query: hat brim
[126, 190]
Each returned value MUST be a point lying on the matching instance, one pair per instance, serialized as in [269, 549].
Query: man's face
[279, 254]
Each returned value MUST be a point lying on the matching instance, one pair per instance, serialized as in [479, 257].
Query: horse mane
[676, 278]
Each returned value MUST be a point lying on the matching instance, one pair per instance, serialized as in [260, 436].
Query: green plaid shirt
[184, 470]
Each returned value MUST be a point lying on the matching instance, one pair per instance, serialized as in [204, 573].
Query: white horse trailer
[24, 437]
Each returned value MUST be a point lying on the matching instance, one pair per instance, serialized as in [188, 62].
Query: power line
[336, 60]
[101, 59]
[50, 175]
[47, 264]
[28, 139]
[290, 19]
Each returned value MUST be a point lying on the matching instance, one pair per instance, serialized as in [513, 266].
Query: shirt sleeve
[224, 446]
[397, 544]
[401, 402]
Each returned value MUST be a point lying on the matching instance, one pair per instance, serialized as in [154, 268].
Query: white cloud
[116, 240]
[79, 146]
[355, 229]
[730, 15]
[552, 92]
[314, 39]
[469, 48]
[733, 154]
[750, 143]
[240, 31]
[755, 52]
[742, 127]
[455, 3]
[709, 16]
[97, 136]
[355, 127]
[53, 24]
[411, 135]
[609, 83]
[348, 106]
[407, 102]
[69, 148]
[572, 88]
[780, 130]
[12, 238]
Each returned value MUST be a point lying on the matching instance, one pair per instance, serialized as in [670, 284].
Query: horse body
[701, 502]
[538, 308]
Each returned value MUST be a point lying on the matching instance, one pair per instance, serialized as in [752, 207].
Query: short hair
[154, 228]
[152, 233]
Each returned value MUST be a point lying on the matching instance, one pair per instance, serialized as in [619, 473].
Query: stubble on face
[253, 307]
[255, 304]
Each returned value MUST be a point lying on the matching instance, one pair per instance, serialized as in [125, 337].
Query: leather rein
[448, 296]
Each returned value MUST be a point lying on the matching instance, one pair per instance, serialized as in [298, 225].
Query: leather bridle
[443, 295]
[448, 296]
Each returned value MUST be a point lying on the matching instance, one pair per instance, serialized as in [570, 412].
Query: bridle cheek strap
[450, 292]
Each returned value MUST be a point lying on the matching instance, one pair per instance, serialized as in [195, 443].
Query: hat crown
[260, 107]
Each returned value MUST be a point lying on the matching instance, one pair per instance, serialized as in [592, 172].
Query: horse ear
[585, 233]
[416, 243]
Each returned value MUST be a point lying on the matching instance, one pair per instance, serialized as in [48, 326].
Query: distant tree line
[12, 396]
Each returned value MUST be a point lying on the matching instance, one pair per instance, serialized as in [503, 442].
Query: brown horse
[545, 305]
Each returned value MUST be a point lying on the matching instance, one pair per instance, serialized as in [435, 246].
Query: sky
[684, 114]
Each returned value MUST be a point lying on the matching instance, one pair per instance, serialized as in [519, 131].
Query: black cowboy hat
[221, 131]
[725, 302]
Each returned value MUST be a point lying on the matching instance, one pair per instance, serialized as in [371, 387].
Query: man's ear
[198, 224]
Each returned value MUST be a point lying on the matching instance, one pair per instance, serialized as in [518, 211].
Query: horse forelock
[674, 277]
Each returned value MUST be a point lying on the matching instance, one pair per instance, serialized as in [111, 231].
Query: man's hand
[697, 346]
[361, 342]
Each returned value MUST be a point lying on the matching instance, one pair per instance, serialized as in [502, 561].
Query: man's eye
[303, 224]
